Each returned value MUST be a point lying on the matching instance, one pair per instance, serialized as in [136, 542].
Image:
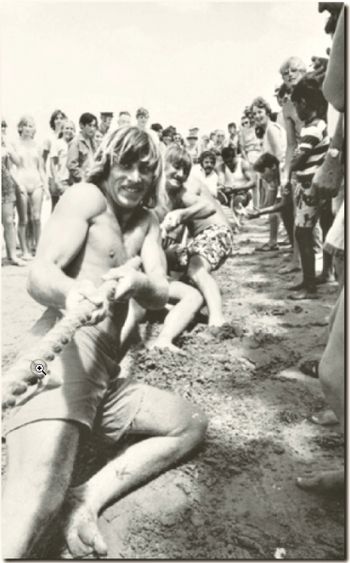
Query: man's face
[192, 142]
[208, 165]
[124, 120]
[128, 184]
[291, 75]
[89, 130]
[68, 131]
[232, 130]
[175, 175]
[142, 121]
[230, 160]
[220, 138]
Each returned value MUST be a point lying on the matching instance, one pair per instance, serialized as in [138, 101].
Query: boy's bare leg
[40, 462]
[189, 303]
[331, 374]
[175, 427]
[199, 272]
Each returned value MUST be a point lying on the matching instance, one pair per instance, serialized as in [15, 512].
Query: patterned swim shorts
[214, 244]
[306, 210]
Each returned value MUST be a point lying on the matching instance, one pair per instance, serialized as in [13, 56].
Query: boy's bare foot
[81, 532]
[164, 344]
[325, 418]
[323, 482]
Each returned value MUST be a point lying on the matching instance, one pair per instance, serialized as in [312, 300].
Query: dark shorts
[214, 244]
[306, 210]
[82, 384]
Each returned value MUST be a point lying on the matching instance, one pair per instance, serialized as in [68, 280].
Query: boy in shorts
[211, 237]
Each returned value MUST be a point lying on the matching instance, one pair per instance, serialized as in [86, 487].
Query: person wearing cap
[192, 145]
[105, 121]
[142, 117]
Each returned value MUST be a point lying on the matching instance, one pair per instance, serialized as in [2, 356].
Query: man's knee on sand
[192, 428]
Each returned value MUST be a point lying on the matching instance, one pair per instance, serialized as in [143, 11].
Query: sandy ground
[236, 498]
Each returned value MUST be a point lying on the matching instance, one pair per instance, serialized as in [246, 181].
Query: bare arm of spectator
[334, 82]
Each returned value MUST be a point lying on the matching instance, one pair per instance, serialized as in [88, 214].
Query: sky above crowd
[190, 63]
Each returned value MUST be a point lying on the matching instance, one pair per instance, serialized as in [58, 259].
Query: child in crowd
[310, 153]
[268, 167]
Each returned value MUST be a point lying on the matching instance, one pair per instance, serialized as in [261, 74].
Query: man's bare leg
[199, 272]
[40, 463]
[179, 317]
[331, 374]
[175, 427]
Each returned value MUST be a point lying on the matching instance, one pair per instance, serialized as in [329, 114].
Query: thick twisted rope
[20, 376]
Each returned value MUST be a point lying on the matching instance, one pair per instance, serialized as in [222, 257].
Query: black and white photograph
[173, 176]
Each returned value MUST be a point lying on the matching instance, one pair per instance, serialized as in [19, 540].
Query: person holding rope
[93, 233]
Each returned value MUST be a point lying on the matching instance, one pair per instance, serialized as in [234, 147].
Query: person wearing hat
[142, 117]
[105, 121]
[192, 145]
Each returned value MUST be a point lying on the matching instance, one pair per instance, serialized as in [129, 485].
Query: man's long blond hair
[124, 146]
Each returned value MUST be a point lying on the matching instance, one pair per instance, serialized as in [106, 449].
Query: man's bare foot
[81, 532]
[325, 418]
[164, 344]
[323, 482]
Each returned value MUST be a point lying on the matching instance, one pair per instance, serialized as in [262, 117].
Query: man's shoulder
[85, 198]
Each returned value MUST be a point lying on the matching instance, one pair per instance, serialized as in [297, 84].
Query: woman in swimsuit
[32, 184]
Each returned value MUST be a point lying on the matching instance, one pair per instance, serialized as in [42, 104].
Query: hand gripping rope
[21, 375]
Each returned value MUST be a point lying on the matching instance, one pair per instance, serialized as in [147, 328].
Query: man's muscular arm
[62, 239]
[149, 289]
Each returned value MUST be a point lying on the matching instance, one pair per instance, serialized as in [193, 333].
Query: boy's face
[301, 109]
[128, 184]
[269, 174]
[175, 175]
[89, 130]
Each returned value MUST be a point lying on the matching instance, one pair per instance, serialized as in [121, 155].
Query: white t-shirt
[59, 149]
[197, 178]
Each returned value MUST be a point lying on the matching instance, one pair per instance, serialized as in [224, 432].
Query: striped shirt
[314, 141]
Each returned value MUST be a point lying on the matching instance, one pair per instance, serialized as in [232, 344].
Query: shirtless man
[208, 228]
[93, 231]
